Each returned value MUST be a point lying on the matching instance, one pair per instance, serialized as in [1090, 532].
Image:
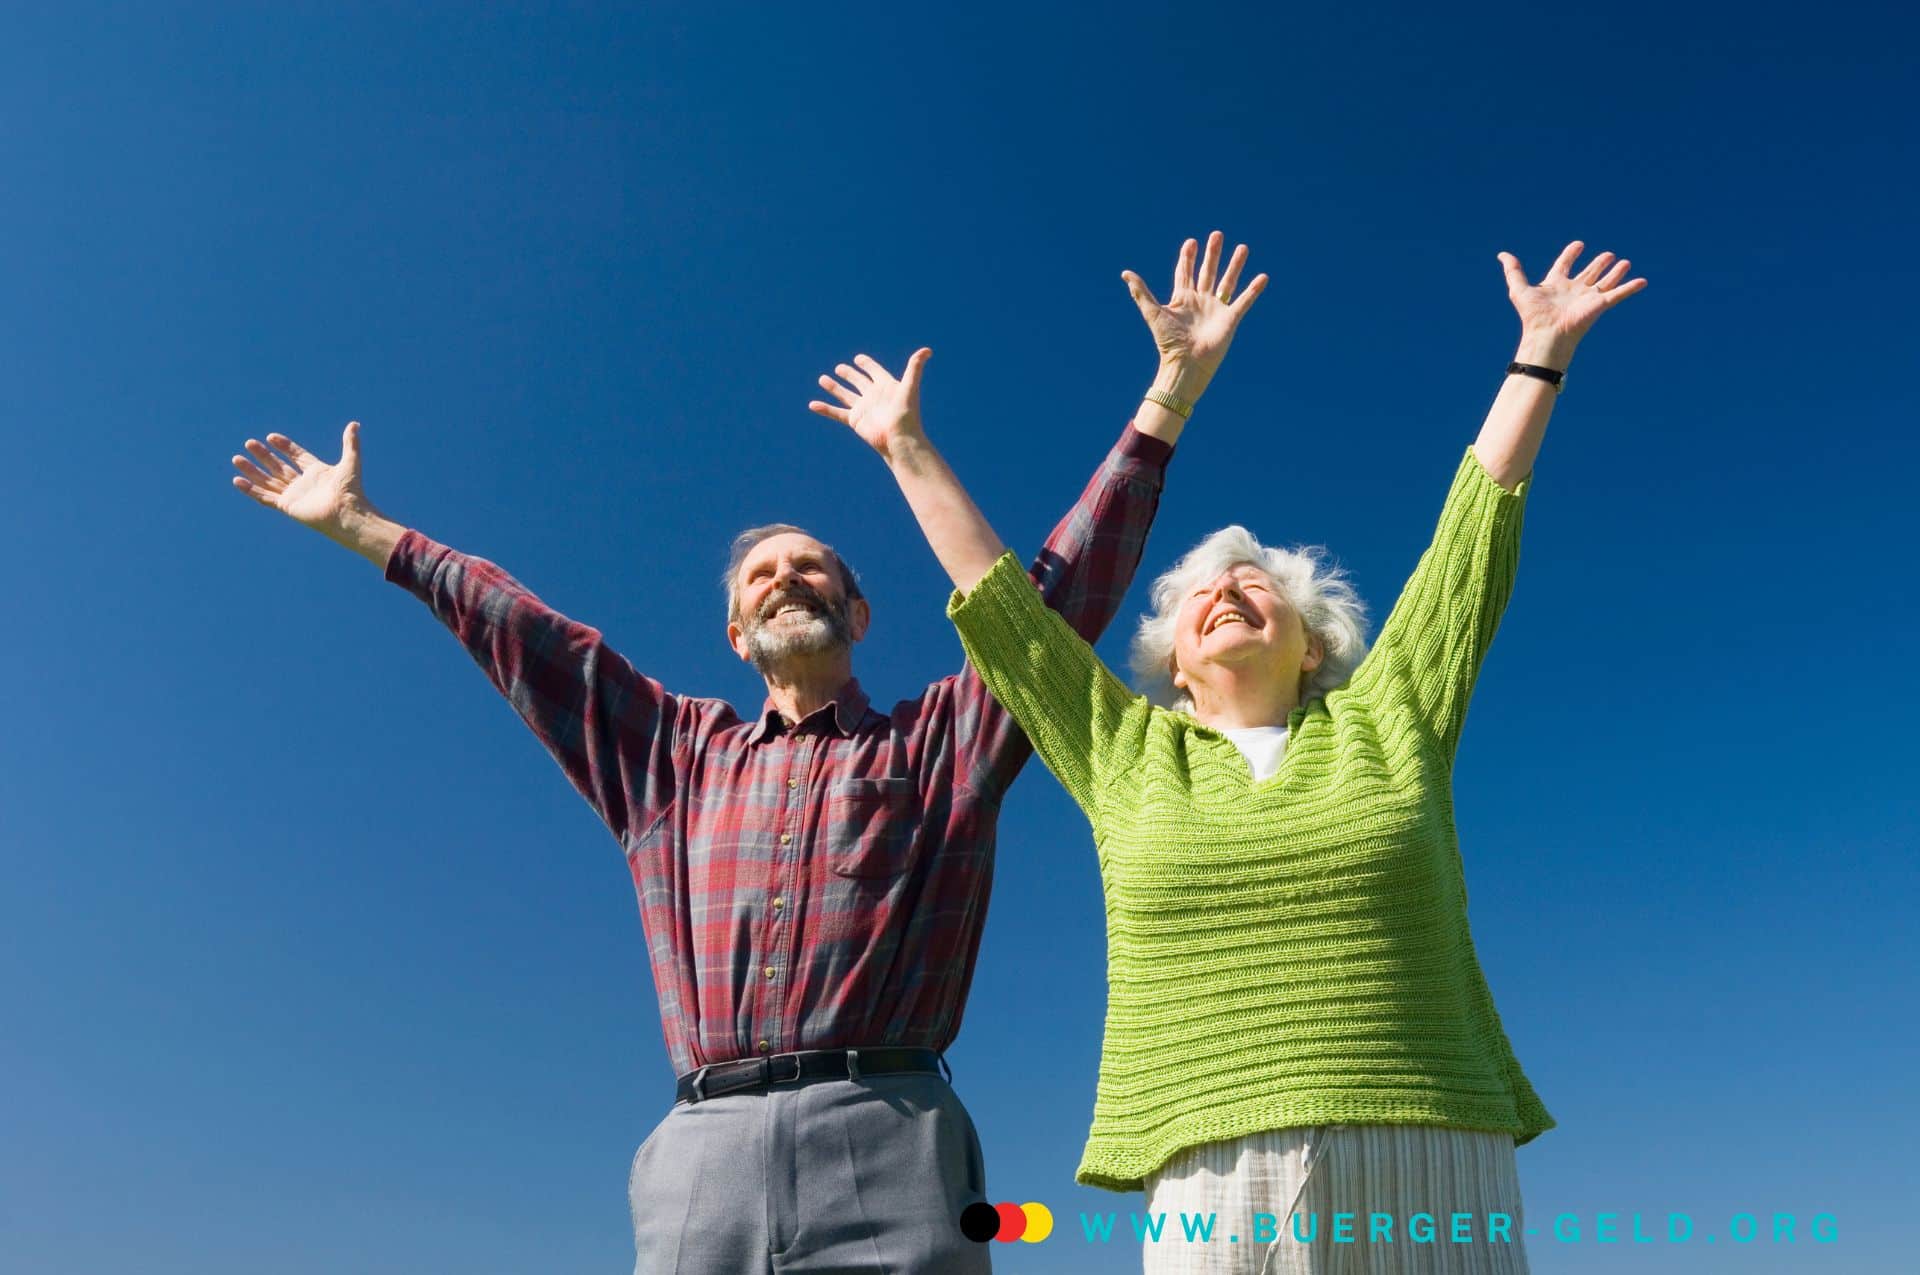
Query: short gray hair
[1328, 606]
[743, 545]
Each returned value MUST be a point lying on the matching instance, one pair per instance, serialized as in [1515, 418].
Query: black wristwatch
[1556, 379]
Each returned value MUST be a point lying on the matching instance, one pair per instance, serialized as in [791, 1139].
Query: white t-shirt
[1263, 746]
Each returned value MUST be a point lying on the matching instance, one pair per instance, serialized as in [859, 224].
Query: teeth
[1228, 618]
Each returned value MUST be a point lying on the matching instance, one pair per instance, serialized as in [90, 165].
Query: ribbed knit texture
[1293, 951]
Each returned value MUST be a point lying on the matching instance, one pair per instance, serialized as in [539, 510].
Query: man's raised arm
[610, 728]
[328, 498]
[1087, 563]
[1191, 331]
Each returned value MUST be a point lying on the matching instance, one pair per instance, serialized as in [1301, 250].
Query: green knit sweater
[1293, 951]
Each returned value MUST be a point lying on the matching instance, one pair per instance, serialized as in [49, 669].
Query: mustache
[800, 592]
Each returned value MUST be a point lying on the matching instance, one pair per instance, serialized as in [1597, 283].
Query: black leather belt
[814, 1064]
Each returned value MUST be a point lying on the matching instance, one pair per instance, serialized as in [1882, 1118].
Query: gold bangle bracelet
[1178, 406]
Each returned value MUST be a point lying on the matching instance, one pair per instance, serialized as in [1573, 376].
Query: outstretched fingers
[1209, 264]
[1231, 278]
[1615, 296]
[1591, 275]
[1608, 284]
[1601, 276]
[1244, 302]
[1183, 270]
[258, 492]
[910, 377]
[831, 412]
[269, 460]
[255, 476]
[873, 368]
[1142, 295]
[301, 457]
[1515, 272]
[838, 390]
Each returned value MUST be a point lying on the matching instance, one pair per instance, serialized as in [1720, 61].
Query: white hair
[1317, 590]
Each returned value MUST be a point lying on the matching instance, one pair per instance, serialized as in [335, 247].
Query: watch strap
[1551, 376]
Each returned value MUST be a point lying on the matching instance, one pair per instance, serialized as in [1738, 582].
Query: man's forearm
[1509, 441]
[369, 533]
[954, 527]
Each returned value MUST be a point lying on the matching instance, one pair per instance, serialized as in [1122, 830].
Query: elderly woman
[1297, 1025]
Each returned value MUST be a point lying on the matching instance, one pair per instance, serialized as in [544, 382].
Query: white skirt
[1391, 1199]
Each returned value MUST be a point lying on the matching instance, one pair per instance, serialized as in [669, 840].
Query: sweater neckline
[1244, 767]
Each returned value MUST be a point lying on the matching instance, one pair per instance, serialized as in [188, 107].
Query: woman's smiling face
[1237, 617]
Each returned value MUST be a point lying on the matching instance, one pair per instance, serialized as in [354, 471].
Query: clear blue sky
[311, 961]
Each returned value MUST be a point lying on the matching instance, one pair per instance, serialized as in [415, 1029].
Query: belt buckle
[772, 1074]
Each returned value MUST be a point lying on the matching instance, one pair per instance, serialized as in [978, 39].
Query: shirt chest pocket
[871, 826]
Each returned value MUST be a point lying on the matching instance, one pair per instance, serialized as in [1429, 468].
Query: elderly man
[813, 880]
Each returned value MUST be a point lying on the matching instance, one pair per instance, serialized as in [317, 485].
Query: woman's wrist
[1153, 417]
[908, 449]
[1182, 380]
[1546, 349]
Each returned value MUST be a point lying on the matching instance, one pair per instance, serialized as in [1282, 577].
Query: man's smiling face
[790, 599]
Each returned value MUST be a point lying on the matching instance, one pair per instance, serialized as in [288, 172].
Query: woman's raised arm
[1191, 332]
[1554, 315]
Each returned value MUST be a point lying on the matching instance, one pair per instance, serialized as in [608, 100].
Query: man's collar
[849, 706]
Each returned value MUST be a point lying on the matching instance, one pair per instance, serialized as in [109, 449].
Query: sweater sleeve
[1079, 716]
[1430, 649]
[1082, 572]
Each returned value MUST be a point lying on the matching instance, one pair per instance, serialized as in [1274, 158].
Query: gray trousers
[848, 1177]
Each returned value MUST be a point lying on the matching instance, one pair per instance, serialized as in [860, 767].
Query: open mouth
[793, 606]
[1223, 619]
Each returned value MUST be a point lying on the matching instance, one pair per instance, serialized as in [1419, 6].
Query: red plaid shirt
[808, 885]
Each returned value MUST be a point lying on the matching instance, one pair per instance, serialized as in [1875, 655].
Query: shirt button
[765, 1047]
[778, 903]
[786, 838]
[793, 783]
[769, 971]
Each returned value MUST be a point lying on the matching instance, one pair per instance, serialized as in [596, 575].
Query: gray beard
[825, 631]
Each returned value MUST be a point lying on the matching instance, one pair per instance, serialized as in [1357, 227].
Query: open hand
[1196, 325]
[283, 475]
[1564, 305]
[879, 408]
